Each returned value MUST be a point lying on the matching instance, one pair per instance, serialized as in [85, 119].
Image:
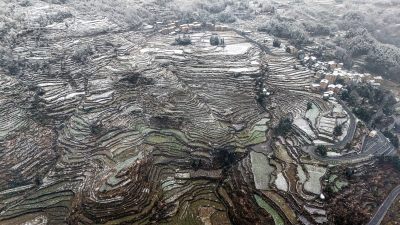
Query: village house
[197, 26]
[313, 60]
[356, 77]
[159, 24]
[306, 59]
[319, 66]
[374, 83]
[332, 65]
[184, 28]
[327, 95]
[373, 133]
[315, 87]
[221, 28]
[291, 50]
[169, 29]
[378, 79]
[320, 73]
[324, 84]
[331, 77]
[147, 27]
[331, 87]
[335, 88]
[338, 88]
[173, 28]
[367, 77]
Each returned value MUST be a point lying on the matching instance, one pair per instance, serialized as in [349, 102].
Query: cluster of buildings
[176, 28]
[352, 77]
[333, 80]
[329, 89]
[333, 71]
[311, 61]
[331, 74]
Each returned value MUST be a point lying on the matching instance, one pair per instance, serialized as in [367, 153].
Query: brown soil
[357, 203]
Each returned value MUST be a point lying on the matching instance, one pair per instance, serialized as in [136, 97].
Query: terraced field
[159, 134]
[144, 138]
[113, 124]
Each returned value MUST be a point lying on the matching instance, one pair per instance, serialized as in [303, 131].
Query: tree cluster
[380, 23]
[215, 7]
[317, 29]
[284, 126]
[56, 17]
[368, 100]
[343, 56]
[216, 40]
[226, 17]
[287, 29]
[322, 150]
[309, 105]
[82, 54]
[183, 40]
[347, 215]
[123, 12]
[363, 113]
[380, 58]
[276, 43]
[338, 130]
[260, 94]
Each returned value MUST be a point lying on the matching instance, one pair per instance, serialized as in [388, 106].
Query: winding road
[352, 127]
[385, 206]
[378, 145]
